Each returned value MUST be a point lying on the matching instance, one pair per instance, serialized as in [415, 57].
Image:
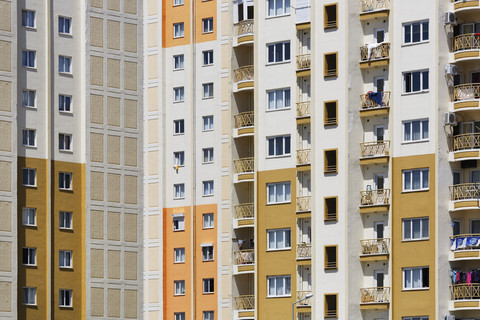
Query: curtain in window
[407, 131]
[279, 284]
[287, 239]
[425, 129]
[407, 180]
[271, 100]
[271, 7]
[287, 285]
[416, 228]
[279, 7]
[280, 239]
[287, 192]
[271, 286]
[425, 179]
[271, 193]
[416, 179]
[280, 193]
[416, 276]
[408, 279]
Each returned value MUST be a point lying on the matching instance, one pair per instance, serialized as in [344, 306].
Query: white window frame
[178, 127]
[285, 281]
[208, 315]
[28, 22]
[64, 142]
[410, 223]
[179, 255]
[411, 73]
[410, 124]
[272, 5]
[26, 292]
[179, 191]
[275, 141]
[179, 316]
[30, 62]
[29, 137]
[210, 287]
[65, 103]
[31, 256]
[280, 100]
[65, 181]
[65, 298]
[411, 271]
[273, 233]
[29, 98]
[65, 30]
[65, 220]
[178, 94]
[208, 155]
[178, 30]
[29, 217]
[207, 58]
[207, 123]
[207, 90]
[64, 64]
[179, 287]
[208, 253]
[410, 25]
[207, 25]
[178, 62]
[179, 158]
[285, 49]
[284, 186]
[178, 223]
[177, 2]
[410, 173]
[65, 259]
[208, 188]
[208, 221]
[30, 172]
[415, 318]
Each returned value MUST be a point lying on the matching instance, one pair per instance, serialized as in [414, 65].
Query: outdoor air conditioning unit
[449, 317]
[451, 69]
[450, 119]
[450, 18]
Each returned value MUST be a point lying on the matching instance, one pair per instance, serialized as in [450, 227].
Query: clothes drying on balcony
[370, 47]
[375, 96]
[460, 277]
[464, 243]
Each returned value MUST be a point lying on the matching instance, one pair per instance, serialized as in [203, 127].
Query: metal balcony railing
[468, 91]
[245, 210]
[369, 53]
[244, 257]
[245, 302]
[244, 27]
[369, 103]
[375, 246]
[465, 242]
[302, 295]
[376, 148]
[303, 61]
[465, 291]
[304, 251]
[245, 165]
[244, 119]
[243, 74]
[303, 109]
[466, 141]
[375, 197]
[465, 191]
[468, 41]
[303, 204]
[370, 5]
[303, 156]
[375, 295]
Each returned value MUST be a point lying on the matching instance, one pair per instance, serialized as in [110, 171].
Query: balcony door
[306, 279]
[457, 177]
[379, 132]
[304, 89]
[305, 137]
[379, 35]
[304, 184]
[304, 41]
[475, 227]
[468, 28]
[475, 176]
[475, 77]
[379, 279]
[379, 181]
[306, 231]
[457, 227]
[379, 230]
[379, 84]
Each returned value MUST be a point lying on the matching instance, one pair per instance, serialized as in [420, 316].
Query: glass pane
[424, 228]
[407, 33]
[425, 80]
[287, 192]
[271, 240]
[416, 228]
[279, 7]
[271, 146]
[425, 179]
[279, 96]
[287, 6]
[416, 179]
[279, 146]
[475, 226]
[271, 100]
[408, 278]
[278, 52]
[271, 7]
[280, 239]
[271, 194]
[425, 30]
[287, 145]
[416, 276]
[287, 239]
[416, 32]
[407, 79]
[407, 181]
[287, 98]
[416, 81]
[416, 130]
[425, 129]
[279, 193]
[271, 53]
[406, 131]
[287, 50]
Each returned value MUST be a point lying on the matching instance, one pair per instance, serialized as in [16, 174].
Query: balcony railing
[375, 100]
[375, 197]
[303, 156]
[303, 204]
[468, 91]
[244, 27]
[304, 251]
[245, 165]
[465, 191]
[465, 242]
[370, 5]
[466, 141]
[465, 291]
[377, 148]
[375, 51]
[245, 210]
[244, 257]
[303, 109]
[243, 74]
[469, 41]
[375, 246]
[245, 119]
[245, 302]
[375, 295]
[302, 295]
[303, 62]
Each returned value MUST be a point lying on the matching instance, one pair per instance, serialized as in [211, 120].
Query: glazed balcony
[375, 55]
[465, 247]
[244, 215]
[243, 78]
[304, 157]
[303, 64]
[465, 96]
[376, 152]
[303, 204]
[245, 306]
[465, 296]
[244, 169]
[244, 31]
[466, 46]
[375, 298]
[244, 261]
[375, 249]
[465, 147]
[375, 200]
[302, 295]
[304, 251]
[303, 109]
[374, 9]
[244, 124]
[375, 103]
[465, 4]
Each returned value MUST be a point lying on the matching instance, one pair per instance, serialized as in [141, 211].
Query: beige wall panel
[113, 34]
[96, 186]
[152, 35]
[96, 147]
[130, 189]
[113, 73]
[225, 83]
[130, 305]
[96, 302]
[153, 194]
[113, 187]
[153, 259]
[113, 111]
[130, 37]
[225, 153]
[6, 176]
[152, 131]
[225, 16]
[153, 291]
[5, 56]
[152, 7]
[113, 5]
[153, 227]
[113, 264]
[130, 113]
[96, 263]
[96, 224]
[152, 96]
[5, 16]
[226, 289]
[96, 32]
[226, 187]
[113, 149]
[153, 161]
[6, 134]
[6, 254]
[226, 122]
[5, 216]
[113, 226]
[113, 303]
[130, 6]
[96, 71]
[130, 227]
[152, 66]
[130, 268]
[5, 93]
[226, 250]
[226, 223]
[130, 75]
[96, 3]
[130, 151]
[96, 108]
[5, 297]
[226, 61]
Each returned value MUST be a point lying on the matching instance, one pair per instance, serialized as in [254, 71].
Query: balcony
[464, 196]
[375, 298]
[375, 104]
[465, 96]
[466, 46]
[465, 147]
[375, 201]
[465, 4]
[244, 261]
[243, 78]
[374, 9]
[465, 247]
[465, 296]
[375, 249]
[304, 157]
[302, 295]
[245, 306]
[244, 215]
[303, 109]
[375, 55]
[244, 124]
[244, 170]
[376, 152]
[303, 65]
[304, 251]
[244, 31]
[303, 204]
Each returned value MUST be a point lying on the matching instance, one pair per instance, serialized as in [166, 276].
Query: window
[64, 64]
[179, 315]
[64, 103]
[415, 278]
[207, 123]
[179, 287]
[179, 255]
[278, 146]
[177, 3]
[279, 286]
[30, 296]
[415, 81]
[28, 58]
[208, 222]
[65, 142]
[179, 223]
[331, 209]
[330, 62]
[28, 18]
[179, 159]
[178, 30]
[414, 180]
[208, 315]
[178, 94]
[278, 192]
[64, 25]
[278, 99]
[416, 130]
[208, 286]
[178, 62]
[278, 7]
[28, 98]
[207, 90]
[279, 239]
[29, 256]
[179, 126]
[278, 52]
[330, 307]
[331, 257]
[179, 191]
[415, 32]
[330, 113]
[208, 155]
[208, 188]
[65, 298]
[330, 13]
[207, 252]
[65, 220]
[29, 216]
[65, 259]
[207, 24]
[415, 318]
[415, 229]
[29, 177]
[28, 137]
[330, 161]
[65, 180]
[208, 58]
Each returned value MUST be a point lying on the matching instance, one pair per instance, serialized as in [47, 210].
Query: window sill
[209, 162]
[29, 147]
[277, 63]
[207, 98]
[207, 195]
[207, 32]
[179, 37]
[66, 35]
[282, 249]
[179, 295]
[65, 229]
[30, 68]
[208, 130]
[29, 304]
[179, 101]
[419, 190]
[182, 198]
[414, 240]
[208, 228]
[66, 268]
[208, 260]
[278, 16]
[280, 156]
[209, 293]
[30, 107]
[30, 28]
[32, 266]
[66, 151]
[65, 189]
[414, 43]
[273, 297]
[415, 141]
[31, 226]
[416, 92]
[179, 134]
[65, 112]
[65, 307]
[277, 203]
[178, 69]
[65, 74]
[29, 186]
[179, 230]
[178, 5]
[208, 65]
[179, 262]
[415, 289]
[279, 109]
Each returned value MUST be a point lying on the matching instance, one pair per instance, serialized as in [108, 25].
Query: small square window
[179, 223]
[178, 30]
[330, 65]
[29, 216]
[178, 94]
[208, 222]
[28, 18]
[29, 257]
[65, 259]
[179, 159]
[65, 220]
[208, 315]
[179, 126]
[208, 155]
[64, 142]
[207, 123]
[330, 16]
[65, 180]
[179, 316]
[179, 255]
[208, 286]
[178, 62]
[208, 188]
[330, 113]
[64, 25]
[207, 253]
[28, 98]
[28, 58]
[208, 58]
[331, 208]
[179, 287]
[179, 191]
[29, 177]
[65, 298]
[64, 64]
[330, 161]
[64, 103]
[29, 296]
[207, 25]
[207, 90]
[177, 2]
[28, 137]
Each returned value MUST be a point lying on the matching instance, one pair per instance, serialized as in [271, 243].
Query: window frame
[29, 93]
[411, 221]
[275, 93]
[275, 185]
[27, 137]
[208, 253]
[181, 60]
[69, 33]
[208, 90]
[207, 56]
[209, 154]
[411, 171]
[65, 65]
[26, 216]
[179, 287]
[61, 147]
[67, 262]
[62, 297]
[26, 11]
[208, 223]
[181, 127]
[63, 178]
[175, 256]
[29, 172]
[412, 280]
[208, 123]
[62, 103]
[284, 145]
[65, 216]
[25, 293]
[421, 30]
[421, 124]
[28, 65]
[284, 52]
[178, 226]
[207, 25]
[286, 8]
[421, 84]
[285, 288]
[179, 185]
[286, 233]
[181, 30]
[209, 186]
[181, 91]
[31, 255]
[206, 282]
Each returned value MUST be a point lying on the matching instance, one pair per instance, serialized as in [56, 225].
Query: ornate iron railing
[465, 191]
[466, 141]
[303, 109]
[377, 148]
[468, 91]
[465, 291]
[244, 257]
[245, 210]
[468, 41]
[375, 295]
[303, 204]
[245, 302]
[375, 246]
[244, 119]
[244, 27]
[368, 103]
[303, 61]
[303, 156]
[304, 251]
[243, 74]
[370, 5]
[375, 197]
[382, 51]
[302, 295]
[244, 165]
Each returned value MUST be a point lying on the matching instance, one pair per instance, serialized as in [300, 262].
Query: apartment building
[71, 161]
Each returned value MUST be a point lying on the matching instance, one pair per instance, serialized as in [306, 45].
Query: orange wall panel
[173, 14]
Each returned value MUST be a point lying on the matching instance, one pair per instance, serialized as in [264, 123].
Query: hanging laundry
[377, 97]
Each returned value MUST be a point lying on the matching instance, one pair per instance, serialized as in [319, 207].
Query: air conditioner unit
[450, 18]
[449, 317]
[451, 69]
[450, 119]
